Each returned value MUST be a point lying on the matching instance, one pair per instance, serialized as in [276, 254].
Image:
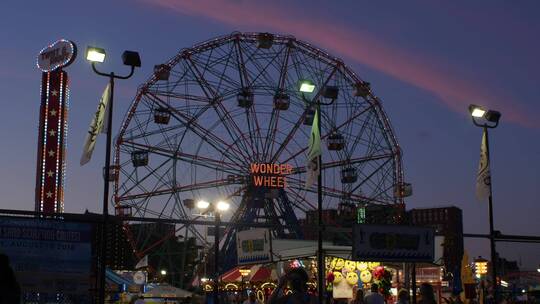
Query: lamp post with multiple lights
[488, 119]
[307, 86]
[216, 209]
[132, 59]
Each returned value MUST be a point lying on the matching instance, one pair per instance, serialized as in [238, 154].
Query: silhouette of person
[10, 291]
[297, 279]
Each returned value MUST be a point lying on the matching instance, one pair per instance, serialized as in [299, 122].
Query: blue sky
[426, 60]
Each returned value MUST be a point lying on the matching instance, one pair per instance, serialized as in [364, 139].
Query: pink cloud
[455, 92]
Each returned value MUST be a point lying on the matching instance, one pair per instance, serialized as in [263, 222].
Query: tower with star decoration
[53, 126]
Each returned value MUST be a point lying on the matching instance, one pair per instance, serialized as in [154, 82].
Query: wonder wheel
[197, 126]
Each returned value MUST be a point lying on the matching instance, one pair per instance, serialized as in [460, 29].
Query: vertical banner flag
[312, 167]
[98, 125]
[142, 263]
[483, 178]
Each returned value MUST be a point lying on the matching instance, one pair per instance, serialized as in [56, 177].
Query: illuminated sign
[270, 175]
[59, 54]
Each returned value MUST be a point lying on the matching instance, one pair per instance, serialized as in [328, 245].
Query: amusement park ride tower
[53, 127]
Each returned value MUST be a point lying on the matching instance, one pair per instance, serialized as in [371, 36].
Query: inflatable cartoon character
[361, 266]
[350, 265]
[365, 276]
[372, 265]
[339, 264]
[337, 277]
[352, 277]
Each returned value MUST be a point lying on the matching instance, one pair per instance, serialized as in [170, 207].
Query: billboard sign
[393, 243]
[48, 256]
[253, 246]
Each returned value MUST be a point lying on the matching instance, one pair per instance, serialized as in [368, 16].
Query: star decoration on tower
[49, 194]
[52, 132]
[50, 173]
[51, 153]
[52, 112]
[54, 93]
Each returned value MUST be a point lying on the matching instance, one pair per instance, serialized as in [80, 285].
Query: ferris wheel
[202, 121]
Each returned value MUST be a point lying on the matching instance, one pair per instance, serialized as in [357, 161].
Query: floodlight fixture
[477, 111]
[306, 86]
[223, 206]
[95, 54]
[131, 59]
[202, 204]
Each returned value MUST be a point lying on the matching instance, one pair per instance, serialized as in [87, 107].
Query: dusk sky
[426, 60]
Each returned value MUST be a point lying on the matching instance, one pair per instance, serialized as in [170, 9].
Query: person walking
[374, 297]
[359, 299]
[403, 296]
[252, 299]
[297, 279]
[426, 294]
[10, 291]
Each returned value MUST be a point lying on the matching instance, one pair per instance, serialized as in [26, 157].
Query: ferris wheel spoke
[337, 128]
[187, 188]
[207, 136]
[367, 178]
[221, 111]
[139, 182]
[198, 160]
[298, 196]
[341, 163]
[297, 184]
[299, 122]
[274, 118]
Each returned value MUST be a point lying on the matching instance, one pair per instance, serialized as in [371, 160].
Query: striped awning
[257, 273]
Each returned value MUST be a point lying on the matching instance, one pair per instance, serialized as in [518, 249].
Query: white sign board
[253, 246]
[393, 243]
[59, 54]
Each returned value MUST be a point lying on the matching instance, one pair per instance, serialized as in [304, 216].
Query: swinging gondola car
[245, 99]
[335, 141]
[330, 92]
[310, 115]
[139, 158]
[162, 116]
[349, 175]
[281, 101]
[265, 40]
[162, 71]
[362, 89]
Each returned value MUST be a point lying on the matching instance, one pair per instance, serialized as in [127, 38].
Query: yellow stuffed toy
[352, 278]
[362, 266]
[337, 277]
[365, 276]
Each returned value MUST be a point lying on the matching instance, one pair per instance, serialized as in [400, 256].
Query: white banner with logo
[253, 246]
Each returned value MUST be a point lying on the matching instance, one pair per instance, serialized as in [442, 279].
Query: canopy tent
[166, 291]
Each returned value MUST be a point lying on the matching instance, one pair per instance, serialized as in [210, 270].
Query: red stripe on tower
[52, 136]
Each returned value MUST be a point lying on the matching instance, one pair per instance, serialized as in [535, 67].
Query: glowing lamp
[163, 272]
[203, 204]
[95, 54]
[480, 267]
[223, 206]
[306, 86]
[477, 111]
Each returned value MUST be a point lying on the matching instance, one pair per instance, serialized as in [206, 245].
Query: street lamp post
[216, 208]
[133, 60]
[490, 121]
[307, 86]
